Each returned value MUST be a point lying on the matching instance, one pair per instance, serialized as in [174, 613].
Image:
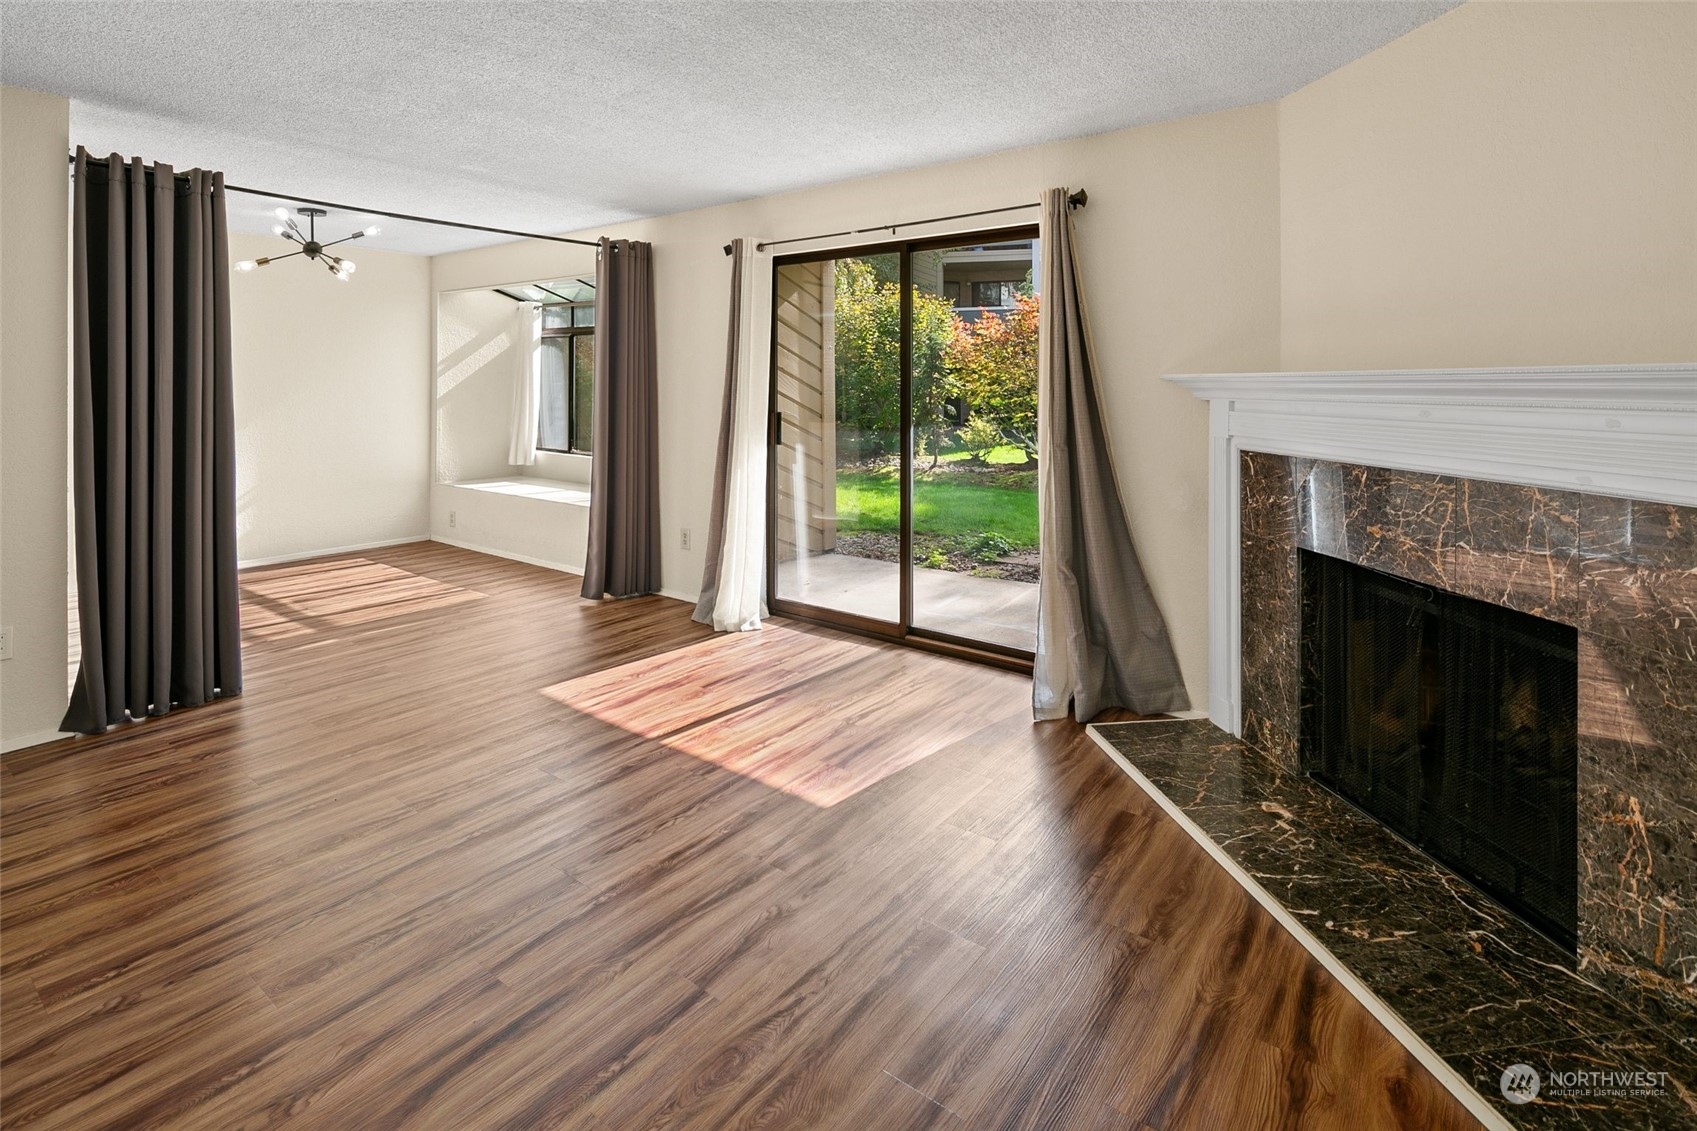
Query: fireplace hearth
[1454, 723]
[1466, 986]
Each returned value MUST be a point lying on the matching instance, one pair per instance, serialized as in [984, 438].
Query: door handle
[778, 429]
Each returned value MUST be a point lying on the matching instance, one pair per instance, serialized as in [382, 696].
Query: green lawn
[869, 501]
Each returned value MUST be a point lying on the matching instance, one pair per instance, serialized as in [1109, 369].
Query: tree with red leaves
[992, 363]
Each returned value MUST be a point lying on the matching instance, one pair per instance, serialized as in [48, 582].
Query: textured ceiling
[557, 117]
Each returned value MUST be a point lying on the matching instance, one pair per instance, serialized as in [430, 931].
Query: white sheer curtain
[527, 383]
[733, 584]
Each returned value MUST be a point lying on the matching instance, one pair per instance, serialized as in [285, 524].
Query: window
[993, 294]
[568, 378]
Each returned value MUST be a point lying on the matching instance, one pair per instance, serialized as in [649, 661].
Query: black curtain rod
[395, 215]
[1074, 200]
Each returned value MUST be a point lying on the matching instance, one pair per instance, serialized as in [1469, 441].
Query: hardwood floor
[475, 853]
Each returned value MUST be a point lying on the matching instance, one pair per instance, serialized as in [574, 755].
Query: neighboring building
[983, 278]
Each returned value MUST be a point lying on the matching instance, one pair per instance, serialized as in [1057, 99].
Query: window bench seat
[543, 490]
[541, 521]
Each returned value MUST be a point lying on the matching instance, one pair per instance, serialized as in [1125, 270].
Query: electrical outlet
[453, 518]
[683, 542]
[5, 642]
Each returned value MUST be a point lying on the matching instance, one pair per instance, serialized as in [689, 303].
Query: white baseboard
[1452, 1080]
[21, 741]
[678, 595]
[248, 563]
[562, 567]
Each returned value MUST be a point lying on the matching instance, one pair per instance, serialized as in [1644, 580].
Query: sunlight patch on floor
[784, 707]
[293, 600]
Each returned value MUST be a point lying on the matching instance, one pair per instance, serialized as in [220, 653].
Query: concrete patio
[975, 608]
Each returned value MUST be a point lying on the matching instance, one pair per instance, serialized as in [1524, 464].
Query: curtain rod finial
[727, 249]
[1078, 199]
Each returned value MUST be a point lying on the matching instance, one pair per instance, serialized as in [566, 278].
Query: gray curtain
[153, 442]
[624, 481]
[722, 464]
[1101, 639]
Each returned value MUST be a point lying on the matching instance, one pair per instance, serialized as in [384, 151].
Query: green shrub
[980, 437]
[987, 546]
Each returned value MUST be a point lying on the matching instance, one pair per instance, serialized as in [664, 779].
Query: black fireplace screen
[1454, 723]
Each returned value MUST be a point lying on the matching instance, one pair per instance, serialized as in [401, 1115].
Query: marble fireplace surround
[1568, 493]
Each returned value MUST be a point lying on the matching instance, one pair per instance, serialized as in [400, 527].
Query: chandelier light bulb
[307, 244]
[373, 230]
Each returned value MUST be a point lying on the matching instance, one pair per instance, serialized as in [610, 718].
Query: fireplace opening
[1454, 723]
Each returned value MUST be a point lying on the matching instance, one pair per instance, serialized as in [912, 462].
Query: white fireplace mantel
[1628, 431]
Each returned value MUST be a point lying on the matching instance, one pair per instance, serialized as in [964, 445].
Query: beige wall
[1180, 254]
[476, 366]
[332, 394]
[1510, 184]
[34, 138]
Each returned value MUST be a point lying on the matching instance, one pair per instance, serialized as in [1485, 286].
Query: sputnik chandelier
[309, 245]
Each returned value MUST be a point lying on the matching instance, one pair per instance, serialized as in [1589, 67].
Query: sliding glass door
[903, 487]
[836, 517]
